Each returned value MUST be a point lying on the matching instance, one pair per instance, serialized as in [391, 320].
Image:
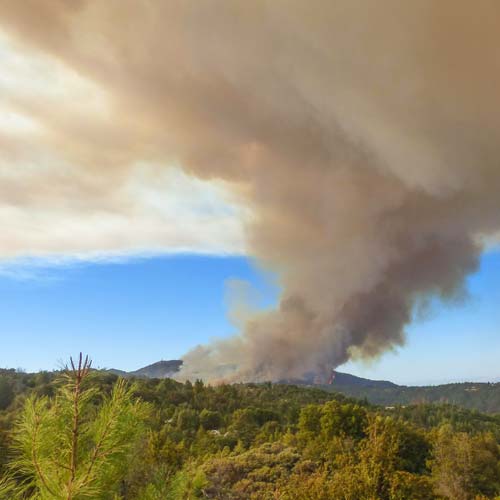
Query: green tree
[343, 420]
[6, 392]
[188, 420]
[73, 447]
[405, 485]
[309, 420]
[244, 425]
[464, 466]
[210, 419]
[370, 478]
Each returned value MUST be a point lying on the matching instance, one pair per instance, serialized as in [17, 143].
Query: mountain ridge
[160, 369]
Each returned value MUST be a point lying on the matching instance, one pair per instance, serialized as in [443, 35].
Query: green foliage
[484, 397]
[405, 485]
[6, 392]
[166, 440]
[310, 420]
[74, 446]
[342, 420]
[210, 420]
[188, 420]
[465, 465]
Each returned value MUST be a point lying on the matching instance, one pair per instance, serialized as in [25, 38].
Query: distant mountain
[339, 379]
[160, 369]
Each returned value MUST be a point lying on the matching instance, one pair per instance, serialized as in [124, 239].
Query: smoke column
[364, 137]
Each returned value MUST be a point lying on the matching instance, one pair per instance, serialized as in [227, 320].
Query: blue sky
[125, 314]
[129, 313]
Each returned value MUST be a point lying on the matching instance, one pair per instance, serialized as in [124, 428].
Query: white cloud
[175, 214]
[53, 209]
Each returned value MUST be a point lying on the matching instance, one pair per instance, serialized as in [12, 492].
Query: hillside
[160, 369]
[483, 397]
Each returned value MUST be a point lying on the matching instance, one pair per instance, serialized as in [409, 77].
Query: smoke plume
[363, 135]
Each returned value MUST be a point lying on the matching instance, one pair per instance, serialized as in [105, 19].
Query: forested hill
[160, 369]
[484, 397]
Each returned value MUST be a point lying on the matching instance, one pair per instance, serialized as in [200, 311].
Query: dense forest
[84, 434]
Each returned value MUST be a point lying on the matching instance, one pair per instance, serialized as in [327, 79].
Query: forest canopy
[160, 439]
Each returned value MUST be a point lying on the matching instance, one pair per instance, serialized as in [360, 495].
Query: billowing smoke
[364, 136]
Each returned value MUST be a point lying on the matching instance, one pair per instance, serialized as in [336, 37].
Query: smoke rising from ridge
[364, 136]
